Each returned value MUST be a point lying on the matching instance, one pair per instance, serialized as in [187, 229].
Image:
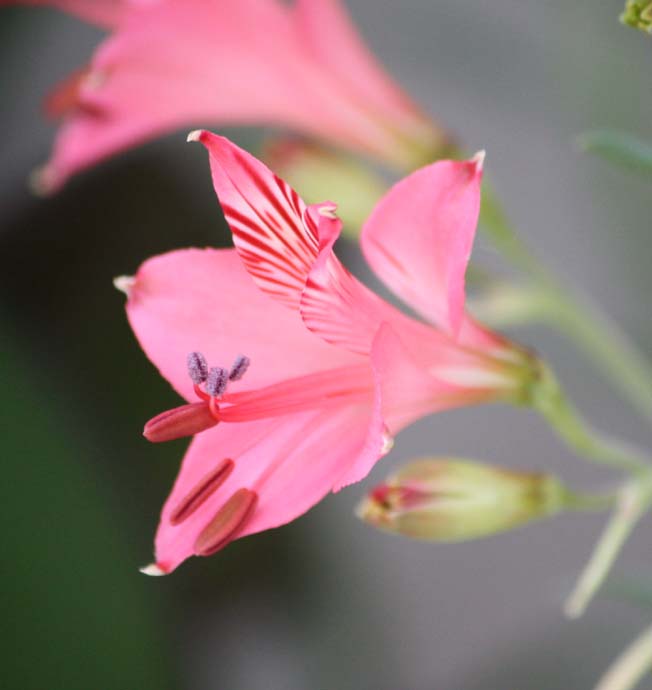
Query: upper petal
[267, 217]
[419, 238]
[204, 300]
[287, 248]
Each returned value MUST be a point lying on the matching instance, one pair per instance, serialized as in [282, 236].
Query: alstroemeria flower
[174, 63]
[333, 371]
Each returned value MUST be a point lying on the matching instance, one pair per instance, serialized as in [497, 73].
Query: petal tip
[195, 135]
[153, 570]
[328, 210]
[125, 284]
[478, 159]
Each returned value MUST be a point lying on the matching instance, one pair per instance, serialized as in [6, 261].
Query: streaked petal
[204, 300]
[267, 217]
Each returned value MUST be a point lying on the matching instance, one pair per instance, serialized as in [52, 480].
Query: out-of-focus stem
[547, 397]
[632, 503]
[630, 667]
[553, 302]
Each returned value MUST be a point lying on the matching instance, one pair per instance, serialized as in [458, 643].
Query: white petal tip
[124, 284]
[328, 210]
[195, 135]
[388, 443]
[478, 159]
[152, 570]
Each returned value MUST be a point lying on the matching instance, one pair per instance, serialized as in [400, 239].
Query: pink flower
[173, 63]
[333, 372]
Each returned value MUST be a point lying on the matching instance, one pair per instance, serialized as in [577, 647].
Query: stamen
[208, 485]
[197, 367]
[216, 382]
[228, 521]
[214, 409]
[239, 368]
[186, 420]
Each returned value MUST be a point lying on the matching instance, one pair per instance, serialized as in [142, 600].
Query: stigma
[210, 385]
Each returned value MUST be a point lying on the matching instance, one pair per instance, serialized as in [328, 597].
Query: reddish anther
[226, 524]
[186, 420]
[204, 489]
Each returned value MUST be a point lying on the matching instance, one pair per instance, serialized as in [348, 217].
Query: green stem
[589, 503]
[547, 397]
[591, 331]
[630, 667]
[632, 503]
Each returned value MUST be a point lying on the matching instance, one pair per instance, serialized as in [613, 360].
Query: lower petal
[291, 463]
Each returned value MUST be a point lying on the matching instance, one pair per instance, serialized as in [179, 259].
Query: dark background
[325, 603]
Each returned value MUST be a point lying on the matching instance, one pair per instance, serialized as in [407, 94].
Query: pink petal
[178, 63]
[332, 37]
[267, 217]
[410, 384]
[291, 462]
[204, 300]
[419, 238]
[287, 248]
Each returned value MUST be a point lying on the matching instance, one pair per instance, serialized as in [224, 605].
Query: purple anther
[216, 381]
[239, 367]
[197, 367]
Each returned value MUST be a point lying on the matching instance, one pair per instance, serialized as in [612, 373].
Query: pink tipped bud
[186, 420]
[457, 500]
[228, 521]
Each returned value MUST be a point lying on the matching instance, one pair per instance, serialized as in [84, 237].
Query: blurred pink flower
[174, 63]
[334, 371]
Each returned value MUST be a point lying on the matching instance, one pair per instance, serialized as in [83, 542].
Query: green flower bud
[456, 500]
[638, 13]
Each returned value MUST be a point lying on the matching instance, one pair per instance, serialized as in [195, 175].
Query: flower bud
[638, 13]
[456, 500]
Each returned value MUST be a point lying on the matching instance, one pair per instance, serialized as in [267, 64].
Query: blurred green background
[325, 603]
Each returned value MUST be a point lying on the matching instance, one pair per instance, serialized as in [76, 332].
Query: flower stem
[633, 501]
[630, 667]
[589, 503]
[594, 333]
[547, 397]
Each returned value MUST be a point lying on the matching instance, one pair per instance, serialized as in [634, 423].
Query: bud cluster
[638, 13]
